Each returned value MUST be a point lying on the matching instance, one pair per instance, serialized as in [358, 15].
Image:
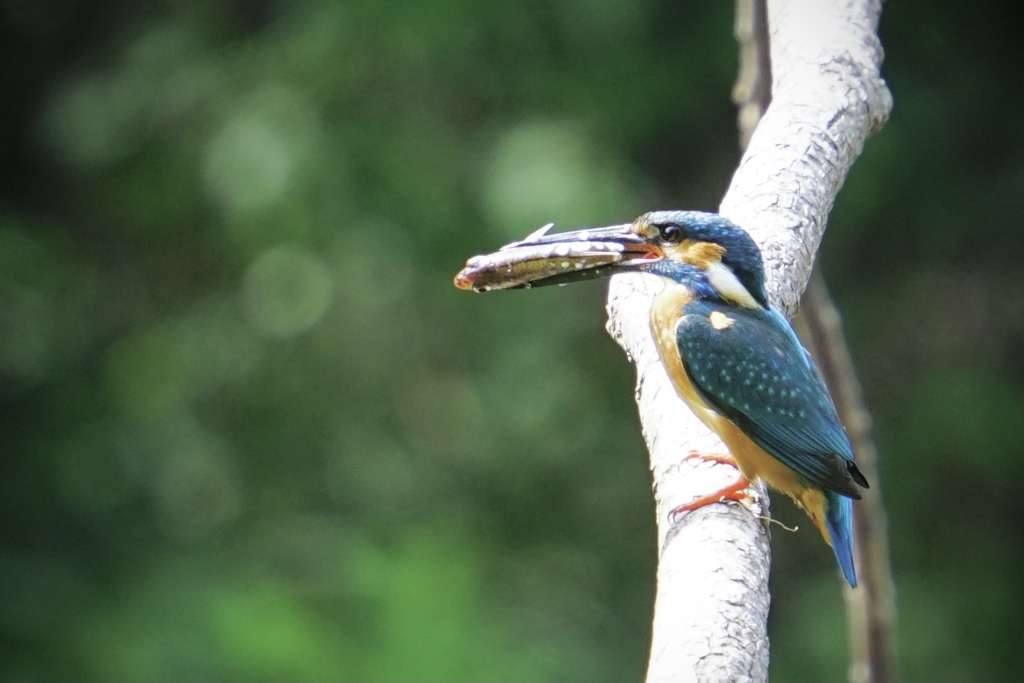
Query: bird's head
[706, 252]
[710, 255]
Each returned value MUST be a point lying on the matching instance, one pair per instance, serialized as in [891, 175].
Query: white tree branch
[711, 607]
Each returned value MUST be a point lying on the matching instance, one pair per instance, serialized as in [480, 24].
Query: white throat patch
[725, 281]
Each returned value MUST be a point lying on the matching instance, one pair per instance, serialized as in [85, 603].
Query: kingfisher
[733, 359]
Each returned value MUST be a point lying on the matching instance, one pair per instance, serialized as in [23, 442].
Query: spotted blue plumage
[755, 373]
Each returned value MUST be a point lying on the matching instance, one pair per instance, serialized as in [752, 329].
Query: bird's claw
[735, 491]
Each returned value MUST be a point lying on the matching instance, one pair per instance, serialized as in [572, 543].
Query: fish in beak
[556, 259]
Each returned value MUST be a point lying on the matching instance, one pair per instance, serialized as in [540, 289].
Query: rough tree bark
[870, 609]
[827, 97]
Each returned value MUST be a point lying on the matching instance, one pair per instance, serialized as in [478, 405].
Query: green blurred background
[251, 431]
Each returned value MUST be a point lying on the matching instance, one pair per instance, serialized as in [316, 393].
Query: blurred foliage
[251, 431]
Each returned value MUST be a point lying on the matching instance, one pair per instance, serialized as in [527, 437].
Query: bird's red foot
[734, 491]
[712, 457]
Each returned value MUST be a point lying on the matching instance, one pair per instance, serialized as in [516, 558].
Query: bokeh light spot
[196, 490]
[546, 171]
[286, 291]
[248, 165]
[88, 122]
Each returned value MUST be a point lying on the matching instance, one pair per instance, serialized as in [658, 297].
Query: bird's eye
[670, 233]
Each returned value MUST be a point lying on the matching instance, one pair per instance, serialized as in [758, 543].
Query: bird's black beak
[545, 259]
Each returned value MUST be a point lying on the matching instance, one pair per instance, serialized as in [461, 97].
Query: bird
[732, 358]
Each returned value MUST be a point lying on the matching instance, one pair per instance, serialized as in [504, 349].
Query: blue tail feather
[839, 519]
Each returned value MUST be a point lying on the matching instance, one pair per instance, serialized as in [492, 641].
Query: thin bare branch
[870, 608]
